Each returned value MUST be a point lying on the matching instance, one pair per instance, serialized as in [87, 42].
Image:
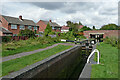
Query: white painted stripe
[63, 40]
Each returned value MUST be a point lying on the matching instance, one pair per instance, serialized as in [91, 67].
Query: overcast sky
[88, 13]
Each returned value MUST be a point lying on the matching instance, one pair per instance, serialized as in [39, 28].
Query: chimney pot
[20, 17]
[50, 20]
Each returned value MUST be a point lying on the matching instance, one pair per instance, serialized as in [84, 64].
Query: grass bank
[19, 63]
[109, 62]
[31, 44]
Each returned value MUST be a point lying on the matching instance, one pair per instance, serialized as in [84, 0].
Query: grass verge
[19, 63]
[25, 49]
[15, 47]
[109, 62]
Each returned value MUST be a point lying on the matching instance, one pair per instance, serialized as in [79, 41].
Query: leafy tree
[27, 32]
[68, 23]
[93, 27]
[110, 27]
[80, 23]
[73, 26]
[84, 28]
[47, 30]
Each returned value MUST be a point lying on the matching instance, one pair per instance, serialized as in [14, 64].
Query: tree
[93, 27]
[48, 29]
[80, 23]
[110, 27]
[73, 26]
[68, 23]
[27, 32]
[85, 28]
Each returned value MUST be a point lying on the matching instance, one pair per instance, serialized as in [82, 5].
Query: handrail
[98, 55]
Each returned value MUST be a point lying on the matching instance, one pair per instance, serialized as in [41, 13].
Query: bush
[27, 32]
[47, 30]
[6, 38]
[27, 44]
[71, 36]
[52, 33]
[112, 40]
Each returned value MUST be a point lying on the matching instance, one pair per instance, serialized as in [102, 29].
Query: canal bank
[67, 64]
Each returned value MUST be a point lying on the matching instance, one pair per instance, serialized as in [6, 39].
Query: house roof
[65, 28]
[51, 23]
[80, 26]
[14, 20]
[4, 30]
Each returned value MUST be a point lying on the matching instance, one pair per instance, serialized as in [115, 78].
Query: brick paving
[7, 58]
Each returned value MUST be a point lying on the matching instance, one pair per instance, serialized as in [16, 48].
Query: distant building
[101, 33]
[64, 29]
[42, 26]
[80, 26]
[15, 25]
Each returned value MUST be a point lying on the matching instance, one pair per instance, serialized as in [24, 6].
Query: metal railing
[98, 56]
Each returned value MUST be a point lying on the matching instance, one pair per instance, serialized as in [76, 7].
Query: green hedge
[6, 38]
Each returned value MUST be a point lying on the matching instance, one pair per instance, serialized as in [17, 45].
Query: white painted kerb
[98, 56]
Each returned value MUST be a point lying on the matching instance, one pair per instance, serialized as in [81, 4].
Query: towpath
[7, 58]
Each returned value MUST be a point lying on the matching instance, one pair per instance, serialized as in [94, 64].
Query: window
[30, 27]
[35, 28]
[22, 27]
[14, 34]
[59, 28]
[13, 26]
[53, 27]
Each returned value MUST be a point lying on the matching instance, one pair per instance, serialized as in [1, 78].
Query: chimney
[20, 17]
[50, 20]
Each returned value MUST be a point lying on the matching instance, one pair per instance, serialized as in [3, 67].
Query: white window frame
[29, 27]
[22, 27]
[53, 27]
[35, 28]
[13, 26]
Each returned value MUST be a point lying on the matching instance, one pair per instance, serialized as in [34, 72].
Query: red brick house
[80, 26]
[42, 26]
[64, 29]
[14, 24]
[101, 33]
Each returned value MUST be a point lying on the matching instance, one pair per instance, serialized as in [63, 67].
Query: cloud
[89, 13]
[48, 5]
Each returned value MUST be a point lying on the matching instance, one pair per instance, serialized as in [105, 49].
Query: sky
[88, 13]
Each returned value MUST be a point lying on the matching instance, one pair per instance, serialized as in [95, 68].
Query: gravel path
[7, 58]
